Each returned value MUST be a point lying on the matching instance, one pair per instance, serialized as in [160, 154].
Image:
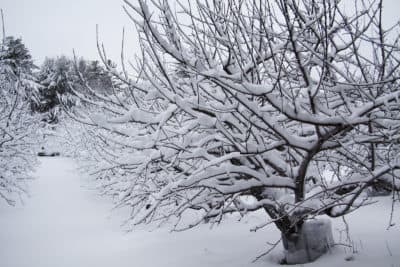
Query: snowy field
[64, 223]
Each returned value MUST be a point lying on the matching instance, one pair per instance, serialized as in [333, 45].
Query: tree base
[312, 240]
[380, 188]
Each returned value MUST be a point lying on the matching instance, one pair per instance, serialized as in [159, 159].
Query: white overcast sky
[55, 27]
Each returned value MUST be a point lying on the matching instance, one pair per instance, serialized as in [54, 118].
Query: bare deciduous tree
[17, 125]
[291, 107]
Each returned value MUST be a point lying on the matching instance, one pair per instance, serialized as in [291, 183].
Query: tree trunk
[311, 240]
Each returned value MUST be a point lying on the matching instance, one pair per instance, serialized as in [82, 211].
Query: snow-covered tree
[56, 77]
[290, 107]
[17, 125]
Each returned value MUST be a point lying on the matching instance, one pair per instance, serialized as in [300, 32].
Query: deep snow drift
[64, 223]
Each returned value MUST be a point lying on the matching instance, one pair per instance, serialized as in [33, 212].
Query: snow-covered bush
[17, 125]
[291, 107]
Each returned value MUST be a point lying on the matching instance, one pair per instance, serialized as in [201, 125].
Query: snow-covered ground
[64, 223]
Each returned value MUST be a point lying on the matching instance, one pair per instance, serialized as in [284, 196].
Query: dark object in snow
[312, 240]
[45, 153]
[349, 258]
[380, 187]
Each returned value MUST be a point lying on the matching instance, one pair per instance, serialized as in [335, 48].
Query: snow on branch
[291, 104]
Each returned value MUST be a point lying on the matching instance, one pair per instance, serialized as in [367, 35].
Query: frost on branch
[291, 107]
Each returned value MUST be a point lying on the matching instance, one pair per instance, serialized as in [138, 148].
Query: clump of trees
[17, 123]
[60, 79]
[31, 99]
